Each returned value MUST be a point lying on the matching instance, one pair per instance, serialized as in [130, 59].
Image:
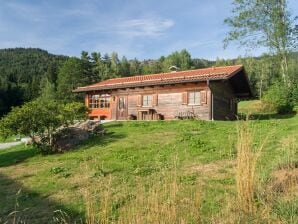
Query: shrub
[279, 98]
[39, 120]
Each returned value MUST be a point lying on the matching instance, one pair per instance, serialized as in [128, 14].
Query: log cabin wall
[224, 101]
[219, 89]
[169, 100]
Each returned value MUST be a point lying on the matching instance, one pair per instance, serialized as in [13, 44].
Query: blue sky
[135, 28]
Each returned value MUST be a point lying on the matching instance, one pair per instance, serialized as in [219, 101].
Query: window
[194, 98]
[121, 103]
[99, 101]
[147, 100]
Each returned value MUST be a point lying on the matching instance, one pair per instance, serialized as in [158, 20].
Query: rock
[26, 140]
[67, 138]
[91, 126]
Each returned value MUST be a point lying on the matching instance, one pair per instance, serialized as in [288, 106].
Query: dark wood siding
[224, 101]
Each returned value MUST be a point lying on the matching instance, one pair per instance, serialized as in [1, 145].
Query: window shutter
[87, 100]
[139, 101]
[184, 98]
[155, 100]
[203, 97]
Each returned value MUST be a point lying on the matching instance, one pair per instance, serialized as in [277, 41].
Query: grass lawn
[132, 156]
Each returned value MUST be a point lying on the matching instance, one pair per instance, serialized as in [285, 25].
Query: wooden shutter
[139, 100]
[184, 98]
[155, 100]
[87, 100]
[203, 97]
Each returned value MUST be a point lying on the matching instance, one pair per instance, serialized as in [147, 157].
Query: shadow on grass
[267, 116]
[21, 153]
[13, 156]
[113, 125]
[31, 207]
[103, 140]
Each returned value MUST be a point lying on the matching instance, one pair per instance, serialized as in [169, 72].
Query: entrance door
[122, 108]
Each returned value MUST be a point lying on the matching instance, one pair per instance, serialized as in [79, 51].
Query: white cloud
[143, 27]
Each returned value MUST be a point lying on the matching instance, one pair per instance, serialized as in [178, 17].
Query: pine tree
[124, 67]
[47, 90]
[70, 76]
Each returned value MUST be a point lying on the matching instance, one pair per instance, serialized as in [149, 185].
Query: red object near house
[209, 93]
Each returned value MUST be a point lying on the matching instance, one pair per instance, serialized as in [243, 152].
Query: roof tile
[164, 78]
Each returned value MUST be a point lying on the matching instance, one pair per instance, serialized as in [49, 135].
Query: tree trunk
[261, 86]
[284, 69]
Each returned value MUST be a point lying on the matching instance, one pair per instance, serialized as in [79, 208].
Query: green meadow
[155, 172]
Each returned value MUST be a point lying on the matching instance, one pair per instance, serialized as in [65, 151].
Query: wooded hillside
[21, 72]
[26, 74]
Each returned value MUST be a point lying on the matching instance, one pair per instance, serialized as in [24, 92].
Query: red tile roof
[213, 73]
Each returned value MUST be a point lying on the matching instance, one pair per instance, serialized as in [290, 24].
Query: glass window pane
[194, 98]
[98, 101]
[147, 100]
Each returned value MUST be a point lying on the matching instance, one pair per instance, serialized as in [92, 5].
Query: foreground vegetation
[164, 171]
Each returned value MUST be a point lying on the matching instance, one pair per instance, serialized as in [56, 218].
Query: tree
[135, 68]
[70, 76]
[52, 73]
[40, 118]
[278, 98]
[115, 65]
[97, 66]
[88, 75]
[264, 23]
[22, 71]
[185, 60]
[124, 67]
[180, 59]
[47, 89]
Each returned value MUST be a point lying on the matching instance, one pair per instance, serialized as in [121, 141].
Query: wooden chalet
[208, 94]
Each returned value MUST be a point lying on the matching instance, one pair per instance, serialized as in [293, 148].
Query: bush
[39, 120]
[279, 98]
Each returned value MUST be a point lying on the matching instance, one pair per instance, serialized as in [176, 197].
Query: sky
[143, 29]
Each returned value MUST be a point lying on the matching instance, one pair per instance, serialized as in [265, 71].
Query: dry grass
[257, 201]
[161, 199]
[246, 166]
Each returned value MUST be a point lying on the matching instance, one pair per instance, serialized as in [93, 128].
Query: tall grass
[245, 170]
[156, 199]
[247, 156]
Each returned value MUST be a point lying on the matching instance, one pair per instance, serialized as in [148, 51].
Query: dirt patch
[285, 181]
[214, 167]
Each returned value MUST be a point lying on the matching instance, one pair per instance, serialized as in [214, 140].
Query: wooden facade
[203, 99]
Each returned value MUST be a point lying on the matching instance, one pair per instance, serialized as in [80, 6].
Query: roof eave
[246, 95]
[87, 89]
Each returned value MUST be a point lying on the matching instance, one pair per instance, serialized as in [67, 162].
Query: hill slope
[166, 171]
[21, 70]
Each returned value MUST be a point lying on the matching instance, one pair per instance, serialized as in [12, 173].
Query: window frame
[196, 96]
[145, 98]
[97, 101]
[122, 103]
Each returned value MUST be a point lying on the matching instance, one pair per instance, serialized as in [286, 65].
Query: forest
[26, 74]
